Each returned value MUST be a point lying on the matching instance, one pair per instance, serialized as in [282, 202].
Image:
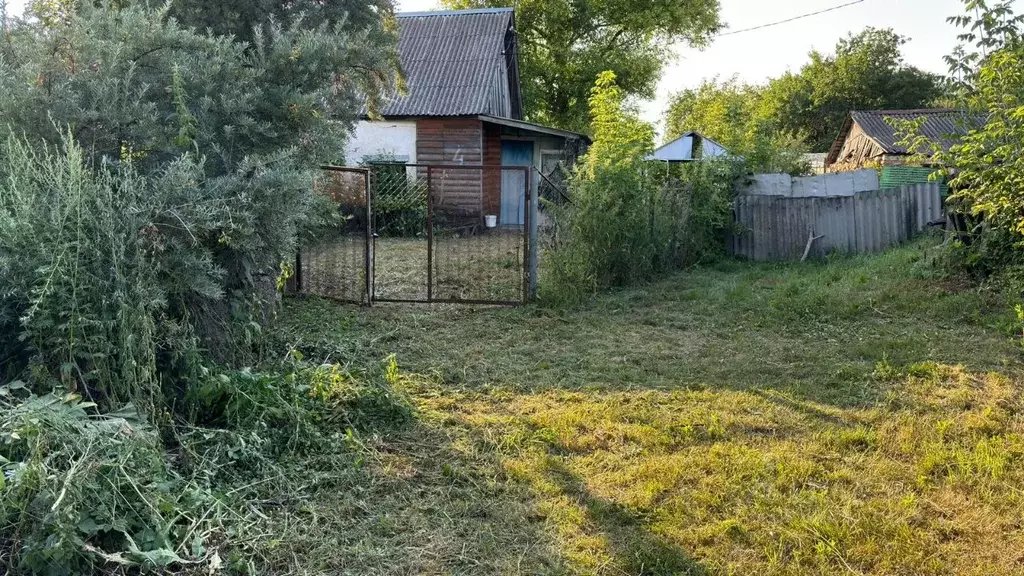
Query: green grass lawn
[859, 416]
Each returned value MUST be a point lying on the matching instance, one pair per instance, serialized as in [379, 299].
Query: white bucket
[491, 220]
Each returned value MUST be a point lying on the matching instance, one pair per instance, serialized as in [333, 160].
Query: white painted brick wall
[374, 138]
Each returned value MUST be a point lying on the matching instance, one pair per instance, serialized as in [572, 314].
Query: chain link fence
[424, 233]
[336, 264]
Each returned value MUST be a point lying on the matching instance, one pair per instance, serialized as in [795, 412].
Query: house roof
[458, 63]
[943, 125]
[682, 149]
[535, 128]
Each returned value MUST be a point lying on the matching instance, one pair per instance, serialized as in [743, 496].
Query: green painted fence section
[898, 176]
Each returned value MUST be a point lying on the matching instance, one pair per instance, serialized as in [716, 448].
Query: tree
[985, 167]
[242, 18]
[565, 44]
[722, 111]
[866, 72]
[734, 115]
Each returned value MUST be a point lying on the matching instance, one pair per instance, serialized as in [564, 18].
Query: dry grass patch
[744, 482]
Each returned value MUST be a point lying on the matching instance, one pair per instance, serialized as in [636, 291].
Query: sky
[762, 54]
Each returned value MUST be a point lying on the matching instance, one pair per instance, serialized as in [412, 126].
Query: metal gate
[426, 233]
[337, 263]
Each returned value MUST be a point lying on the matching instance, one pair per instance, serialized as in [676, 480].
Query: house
[816, 161]
[868, 139]
[689, 147]
[464, 106]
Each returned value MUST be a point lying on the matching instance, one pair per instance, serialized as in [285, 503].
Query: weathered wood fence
[778, 227]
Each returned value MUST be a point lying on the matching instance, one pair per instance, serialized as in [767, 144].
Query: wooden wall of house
[858, 151]
[453, 141]
[492, 176]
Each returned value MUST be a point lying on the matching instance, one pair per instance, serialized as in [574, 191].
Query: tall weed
[91, 261]
[631, 219]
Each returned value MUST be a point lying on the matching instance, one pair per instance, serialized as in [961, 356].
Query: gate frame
[528, 235]
[369, 297]
[367, 292]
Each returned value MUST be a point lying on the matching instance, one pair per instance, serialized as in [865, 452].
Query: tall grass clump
[91, 261]
[631, 219]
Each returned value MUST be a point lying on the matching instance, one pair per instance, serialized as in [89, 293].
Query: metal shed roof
[943, 125]
[689, 147]
[458, 63]
[535, 128]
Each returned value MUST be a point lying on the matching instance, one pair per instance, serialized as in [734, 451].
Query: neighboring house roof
[688, 148]
[943, 125]
[458, 63]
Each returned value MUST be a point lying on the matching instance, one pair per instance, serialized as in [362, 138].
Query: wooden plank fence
[778, 227]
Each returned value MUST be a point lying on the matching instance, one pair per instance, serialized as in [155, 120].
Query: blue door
[514, 182]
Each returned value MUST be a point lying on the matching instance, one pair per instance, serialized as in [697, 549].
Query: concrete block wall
[822, 186]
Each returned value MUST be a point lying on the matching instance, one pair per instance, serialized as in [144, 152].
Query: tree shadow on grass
[636, 550]
[413, 502]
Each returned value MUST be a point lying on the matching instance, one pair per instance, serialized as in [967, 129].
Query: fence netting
[334, 264]
[401, 243]
[436, 234]
[479, 219]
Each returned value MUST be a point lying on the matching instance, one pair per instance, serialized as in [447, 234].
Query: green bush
[631, 219]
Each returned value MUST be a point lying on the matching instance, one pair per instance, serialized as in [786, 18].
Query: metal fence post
[430, 234]
[368, 252]
[531, 224]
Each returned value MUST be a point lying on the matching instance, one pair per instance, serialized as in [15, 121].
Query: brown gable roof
[458, 63]
[943, 125]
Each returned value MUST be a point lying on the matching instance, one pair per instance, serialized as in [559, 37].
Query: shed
[690, 147]
[463, 106]
[867, 138]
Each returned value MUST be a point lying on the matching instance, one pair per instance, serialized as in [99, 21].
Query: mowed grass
[858, 416]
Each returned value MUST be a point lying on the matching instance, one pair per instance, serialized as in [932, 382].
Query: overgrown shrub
[631, 219]
[154, 182]
[254, 119]
[985, 167]
[93, 263]
[83, 492]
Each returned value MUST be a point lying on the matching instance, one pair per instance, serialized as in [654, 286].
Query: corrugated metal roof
[454, 63]
[682, 149]
[943, 125]
[534, 128]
